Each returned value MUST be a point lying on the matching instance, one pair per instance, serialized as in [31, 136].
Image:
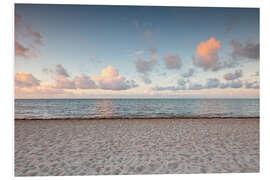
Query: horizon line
[132, 98]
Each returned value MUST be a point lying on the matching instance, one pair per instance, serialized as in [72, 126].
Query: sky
[85, 51]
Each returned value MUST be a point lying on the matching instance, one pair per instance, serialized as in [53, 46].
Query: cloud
[146, 79]
[195, 86]
[215, 83]
[60, 71]
[233, 84]
[236, 84]
[172, 61]
[248, 50]
[22, 51]
[181, 85]
[23, 30]
[143, 66]
[47, 90]
[225, 64]
[26, 85]
[153, 52]
[79, 82]
[207, 54]
[163, 74]
[256, 73]
[37, 38]
[47, 71]
[18, 20]
[111, 80]
[232, 76]
[212, 83]
[167, 88]
[189, 73]
[42, 91]
[252, 85]
[182, 82]
[224, 85]
[62, 82]
[84, 82]
[25, 80]
[26, 40]
[146, 66]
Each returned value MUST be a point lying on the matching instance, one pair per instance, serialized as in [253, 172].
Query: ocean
[131, 108]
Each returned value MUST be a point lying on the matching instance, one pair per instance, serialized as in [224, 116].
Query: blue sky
[84, 40]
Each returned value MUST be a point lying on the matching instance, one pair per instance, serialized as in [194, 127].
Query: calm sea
[100, 108]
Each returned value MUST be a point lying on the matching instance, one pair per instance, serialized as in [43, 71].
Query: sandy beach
[142, 146]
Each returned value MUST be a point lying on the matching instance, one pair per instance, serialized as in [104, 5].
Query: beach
[136, 146]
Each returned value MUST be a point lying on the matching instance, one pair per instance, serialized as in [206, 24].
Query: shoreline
[136, 118]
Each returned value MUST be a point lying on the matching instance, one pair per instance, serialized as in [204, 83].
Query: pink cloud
[110, 79]
[207, 54]
[24, 80]
[26, 40]
[143, 66]
[26, 85]
[153, 52]
[48, 89]
[62, 82]
[42, 91]
[172, 61]
[37, 38]
[20, 50]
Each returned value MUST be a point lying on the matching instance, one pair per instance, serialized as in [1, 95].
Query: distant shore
[136, 146]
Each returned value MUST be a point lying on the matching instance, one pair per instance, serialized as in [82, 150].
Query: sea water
[129, 108]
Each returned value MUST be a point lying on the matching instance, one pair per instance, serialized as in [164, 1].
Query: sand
[144, 146]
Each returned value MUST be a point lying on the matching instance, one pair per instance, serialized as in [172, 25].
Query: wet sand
[142, 146]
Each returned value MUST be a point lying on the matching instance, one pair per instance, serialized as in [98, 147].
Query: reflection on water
[89, 108]
[105, 108]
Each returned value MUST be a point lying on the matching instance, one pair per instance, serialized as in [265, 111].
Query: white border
[7, 71]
